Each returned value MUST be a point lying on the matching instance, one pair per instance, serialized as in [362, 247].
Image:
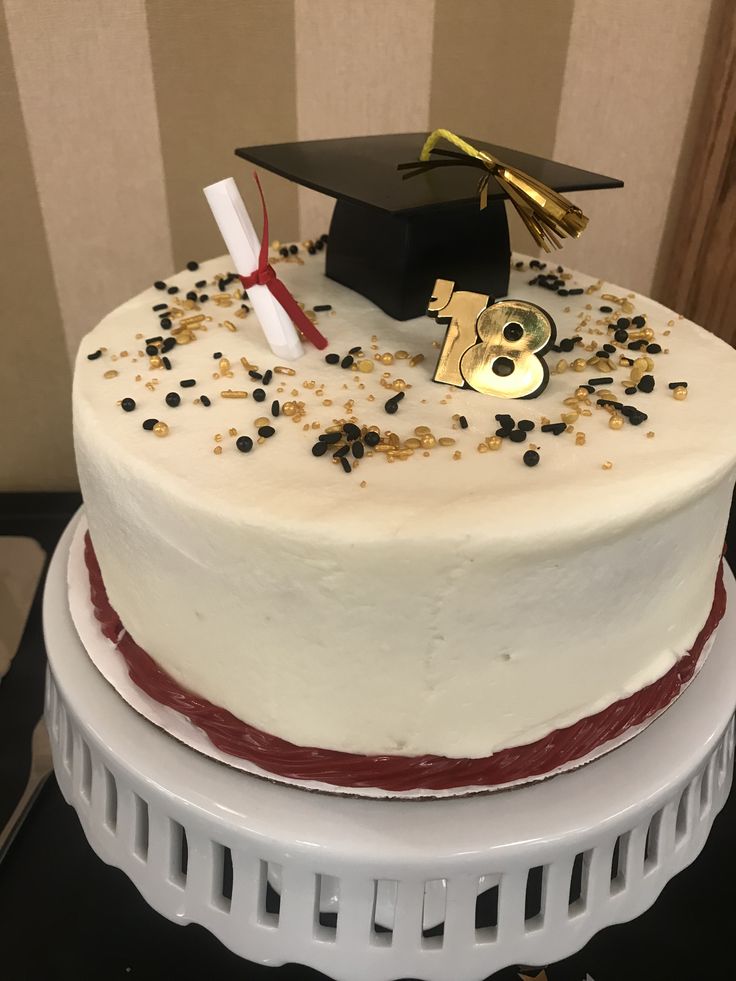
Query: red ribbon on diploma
[265, 275]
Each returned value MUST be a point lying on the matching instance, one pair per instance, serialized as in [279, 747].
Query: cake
[484, 590]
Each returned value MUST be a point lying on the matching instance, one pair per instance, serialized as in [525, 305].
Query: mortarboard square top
[391, 238]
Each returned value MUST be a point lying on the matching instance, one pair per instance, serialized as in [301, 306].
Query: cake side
[449, 606]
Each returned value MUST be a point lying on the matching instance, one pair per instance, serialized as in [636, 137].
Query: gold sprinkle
[112, 373]
[581, 393]
[224, 364]
[616, 422]
[580, 439]
[188, 321]
[482, 448]
[161, 429]
[679, 393]
[446, 441]
[417, 359]
[230, 393]
[457, 455]
[401, 355]
[607, 465]
[326, 401]
[253, 367]
[218, 437]
[260, 421]
[230, 326]
[569, 417]
[365, 366]
[561, 367]
[578, 365]
[233, 432]
[217, 450]
[281, 369]
[139, 337]
[422, 430]
[387, 358]
[650, 434]
[363, 483]
[494, 442]
[413, 443]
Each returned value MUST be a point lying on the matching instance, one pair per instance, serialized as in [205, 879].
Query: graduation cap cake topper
[390, 239]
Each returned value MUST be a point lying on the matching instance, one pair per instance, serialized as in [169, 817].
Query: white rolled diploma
[244, 246]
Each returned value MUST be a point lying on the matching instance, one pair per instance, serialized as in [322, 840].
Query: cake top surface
[439, 468]
[363, 169]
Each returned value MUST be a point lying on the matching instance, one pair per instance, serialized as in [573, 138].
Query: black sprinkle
[275, 408]
[160, 285]
[94, 356]
[517, 436]
[637, 345]
[347, 361]
[284, 250]
[637, 418]
[654, 348]
[463, 422]
[588, 388]
[160, 306]
[324, 238]
[188, 383]
[293, 249]
[630, 390]
[222, 285]
[201, 283]
[151, 350]
[600, 381]
[556, 428]
[351, 431]
[606, 309]
[311, 250]
[343, 451]
[623, 322]
[505, 419]
[328, 438]
[639, 321]
[267, 376]
[205, 401]
[357, 448]
[563, 292]
[332, 358]
[673, 385]
[266, 431]
[255, 374]
[166, 363]
[531, 458]
[149, 424]
[354, 350]
[611, 402]
[646, 384]
[173, 399]
[259, 394]
[578, 291]
[165, 323]
[244, 444]
[526, 424]
[372, 438]
[504, 432]
[609, 348]
[392, 405]
[321, 307]
[150, 340]
[567, 344]
[345, 463]
[621, 335]
[203, 298]
[217, 355]
[319, 449]
[127, 405]
[172, 289]
[192, 266]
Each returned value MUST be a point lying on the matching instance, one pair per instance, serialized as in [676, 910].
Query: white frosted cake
[431, 595]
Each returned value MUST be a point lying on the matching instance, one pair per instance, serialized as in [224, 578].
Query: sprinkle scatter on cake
[613, 343]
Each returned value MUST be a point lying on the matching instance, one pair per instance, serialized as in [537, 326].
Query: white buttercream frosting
[449, 606]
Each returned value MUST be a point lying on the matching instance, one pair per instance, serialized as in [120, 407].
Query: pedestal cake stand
[375, 890]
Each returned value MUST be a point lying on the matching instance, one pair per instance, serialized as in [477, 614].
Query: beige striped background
[115, 113]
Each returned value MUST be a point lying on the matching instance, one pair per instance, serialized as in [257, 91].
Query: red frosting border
[396, 773]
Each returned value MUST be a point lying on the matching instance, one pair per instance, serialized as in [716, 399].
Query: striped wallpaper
[114, 115]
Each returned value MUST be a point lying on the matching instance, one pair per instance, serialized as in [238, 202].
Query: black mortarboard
[391, 238]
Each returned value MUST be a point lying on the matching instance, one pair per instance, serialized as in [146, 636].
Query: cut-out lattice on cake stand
[373, 890]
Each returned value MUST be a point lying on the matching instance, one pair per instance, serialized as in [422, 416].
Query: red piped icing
[397, 773]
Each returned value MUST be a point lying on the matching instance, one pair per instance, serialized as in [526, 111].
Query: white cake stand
[524, 876]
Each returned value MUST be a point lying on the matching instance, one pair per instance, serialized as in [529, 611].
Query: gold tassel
[547, 215]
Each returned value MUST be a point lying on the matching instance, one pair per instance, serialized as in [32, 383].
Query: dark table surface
[65, 914]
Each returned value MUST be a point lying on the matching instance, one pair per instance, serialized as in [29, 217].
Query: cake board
[202, 841]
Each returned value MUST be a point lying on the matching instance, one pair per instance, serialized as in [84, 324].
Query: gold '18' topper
[495, 348]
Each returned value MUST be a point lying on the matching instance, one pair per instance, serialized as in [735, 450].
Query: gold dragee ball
[679, 393]
[161, 429]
